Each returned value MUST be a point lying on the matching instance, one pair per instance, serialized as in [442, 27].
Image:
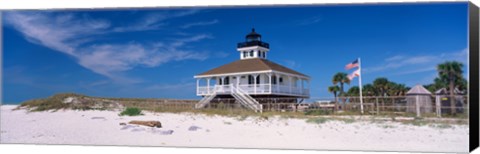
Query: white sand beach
[190, 130]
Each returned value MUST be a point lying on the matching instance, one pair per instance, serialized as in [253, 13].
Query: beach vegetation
[131, 111]
[242, 118]
[317, 120]
[382, 87]
[442, 126]
[341, 79]
[346, 120]
[353, 91]
[388, 126]
[263, 117]
[416, 122]
[318, 112]
[55, 102]
[334, 90]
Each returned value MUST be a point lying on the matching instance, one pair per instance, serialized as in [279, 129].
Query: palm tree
[402, 89]
[436, 85]
[341, 78]
[381, 84]
[395, 89]
[462, 84]
[450, 71]
[334, 89]
[354, 93]
[391, 89]
[369, 90]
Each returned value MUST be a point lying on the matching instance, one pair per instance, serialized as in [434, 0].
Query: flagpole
[360, 83]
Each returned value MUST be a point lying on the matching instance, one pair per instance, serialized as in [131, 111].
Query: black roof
[253, 43]
[253, 39]
[253, 34]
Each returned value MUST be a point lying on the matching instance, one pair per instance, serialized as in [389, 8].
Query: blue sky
[154, 53]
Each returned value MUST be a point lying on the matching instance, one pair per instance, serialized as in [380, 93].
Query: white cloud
[401, 61]
[149, 22]
[394, 58]
[311, 20]
[403, 64]
[205, 23]
[153, 21]
[291, 64]
[172, 87]
[67, 34]
[420, 70]
[54, 32]
[183, 41]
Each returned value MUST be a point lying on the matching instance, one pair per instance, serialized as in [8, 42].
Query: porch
[255, 84]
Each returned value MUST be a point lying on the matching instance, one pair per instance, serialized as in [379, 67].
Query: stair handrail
[236, 94]
[205, 100]
[251, 102]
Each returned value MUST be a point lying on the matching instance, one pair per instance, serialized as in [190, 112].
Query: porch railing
[254, 89]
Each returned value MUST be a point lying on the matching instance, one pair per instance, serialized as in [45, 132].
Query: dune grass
[51, 103]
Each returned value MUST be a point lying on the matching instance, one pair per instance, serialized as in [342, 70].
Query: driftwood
[147, 123]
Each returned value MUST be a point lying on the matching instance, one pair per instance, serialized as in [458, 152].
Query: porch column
[208, 86]
[238, 81]
[198, 83]
[269, 82]
[301, 90]
[255, 83]
[277, 77]
[222, 83]
[308, 85]
[290, 83]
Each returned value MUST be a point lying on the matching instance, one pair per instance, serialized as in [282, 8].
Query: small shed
[420, 96]
[442, 98]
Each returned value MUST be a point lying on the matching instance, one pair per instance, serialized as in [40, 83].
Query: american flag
[352, 65]
[354, 74]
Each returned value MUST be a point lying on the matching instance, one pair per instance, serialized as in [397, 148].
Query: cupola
[253, 47]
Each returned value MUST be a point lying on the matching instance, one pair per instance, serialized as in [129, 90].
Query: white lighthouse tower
[253, 47]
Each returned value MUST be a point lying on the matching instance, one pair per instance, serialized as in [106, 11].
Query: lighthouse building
[251, 77]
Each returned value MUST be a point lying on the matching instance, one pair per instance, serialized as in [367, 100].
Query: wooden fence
[419, 105]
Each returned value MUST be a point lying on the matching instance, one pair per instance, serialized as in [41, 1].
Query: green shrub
[221, 105]
[318, 112]
[242, 117]
[346, 120]
[443, 126]
[416, 122]
[131, 111]
[318, 120]
[388, 126]
[263, 117]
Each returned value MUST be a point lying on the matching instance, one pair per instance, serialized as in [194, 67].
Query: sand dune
[189, 130]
